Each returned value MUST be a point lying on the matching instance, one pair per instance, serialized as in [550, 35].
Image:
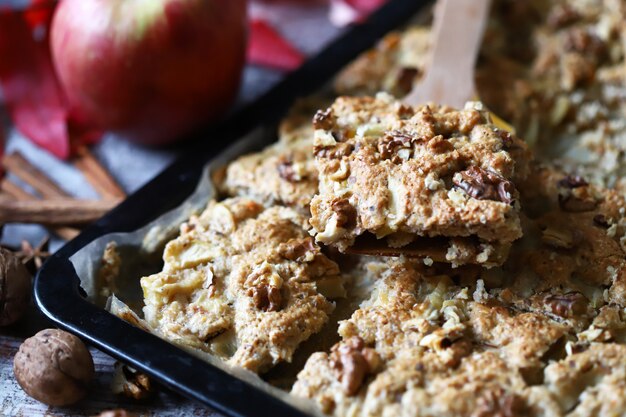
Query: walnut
[600, 220]
[109, 270]
[567, 305]
[573, 196]
[324, 119]
[54, 367]
[499, 403]
[509, 142]
[584, 42]
[286, 171]
[485, 185]
[299, 250]
[393, 142]
[131, 383]
[439, 144]
[405, 112]
[14, 288]
[338, 151]
[572, 181]
[353, 361]
[266, 297]
[346, 214]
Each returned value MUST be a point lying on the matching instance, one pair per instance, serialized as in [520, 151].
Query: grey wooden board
[14, 402]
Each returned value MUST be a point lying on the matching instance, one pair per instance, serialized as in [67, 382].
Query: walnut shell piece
[54, 367]
[15, 288]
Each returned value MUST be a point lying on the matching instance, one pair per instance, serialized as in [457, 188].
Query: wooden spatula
[457, 34]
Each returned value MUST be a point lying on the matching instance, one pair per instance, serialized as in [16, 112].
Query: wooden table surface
[15, 403]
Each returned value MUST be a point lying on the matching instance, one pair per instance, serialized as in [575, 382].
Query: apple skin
[150, 70]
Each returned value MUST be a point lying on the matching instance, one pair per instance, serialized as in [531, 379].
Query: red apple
[149, 69]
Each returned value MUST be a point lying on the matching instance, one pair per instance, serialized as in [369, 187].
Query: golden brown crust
[241, 283]
[564, 63]
[394, 65]
[398, 171]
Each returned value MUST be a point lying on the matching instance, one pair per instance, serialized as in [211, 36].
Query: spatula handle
[458, 31]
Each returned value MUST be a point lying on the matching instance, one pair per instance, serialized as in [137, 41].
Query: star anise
[33, 257]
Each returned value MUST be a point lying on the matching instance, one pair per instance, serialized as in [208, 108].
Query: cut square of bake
[394, 65]
[284, 173]
[244, 283]
[401, 173]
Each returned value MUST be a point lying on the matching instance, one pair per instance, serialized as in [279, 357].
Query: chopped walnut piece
[572, 181]
[286, 171]
[567, 305]
[337, 152]
[354, 362]
[601, 220]
[500, 404]
[323, 119]
[484, 185]
[439, 144]
[266, 297]
[392, 142]
[297, 249]
[584, 42]
[346, 214]
[131, 383]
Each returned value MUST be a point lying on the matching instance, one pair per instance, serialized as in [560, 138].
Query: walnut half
[485, 185]
[353, 361]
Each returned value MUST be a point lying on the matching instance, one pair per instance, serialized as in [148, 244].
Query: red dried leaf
[268, 48]
[33, 96]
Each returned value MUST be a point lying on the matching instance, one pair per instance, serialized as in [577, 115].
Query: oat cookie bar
[244, 283]
[400, 172]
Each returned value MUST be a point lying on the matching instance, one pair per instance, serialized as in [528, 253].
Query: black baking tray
[57, 291]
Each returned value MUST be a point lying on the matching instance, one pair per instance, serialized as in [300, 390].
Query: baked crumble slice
[284, 173]
[242, 282]
[433, 341]
[396, 63]
[567, 83]
[404, 173]
[423, 345]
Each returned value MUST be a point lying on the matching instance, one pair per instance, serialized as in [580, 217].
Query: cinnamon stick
[10, 188]
[57, 212]
[27, 172]
[15, 191]
[96, 175]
